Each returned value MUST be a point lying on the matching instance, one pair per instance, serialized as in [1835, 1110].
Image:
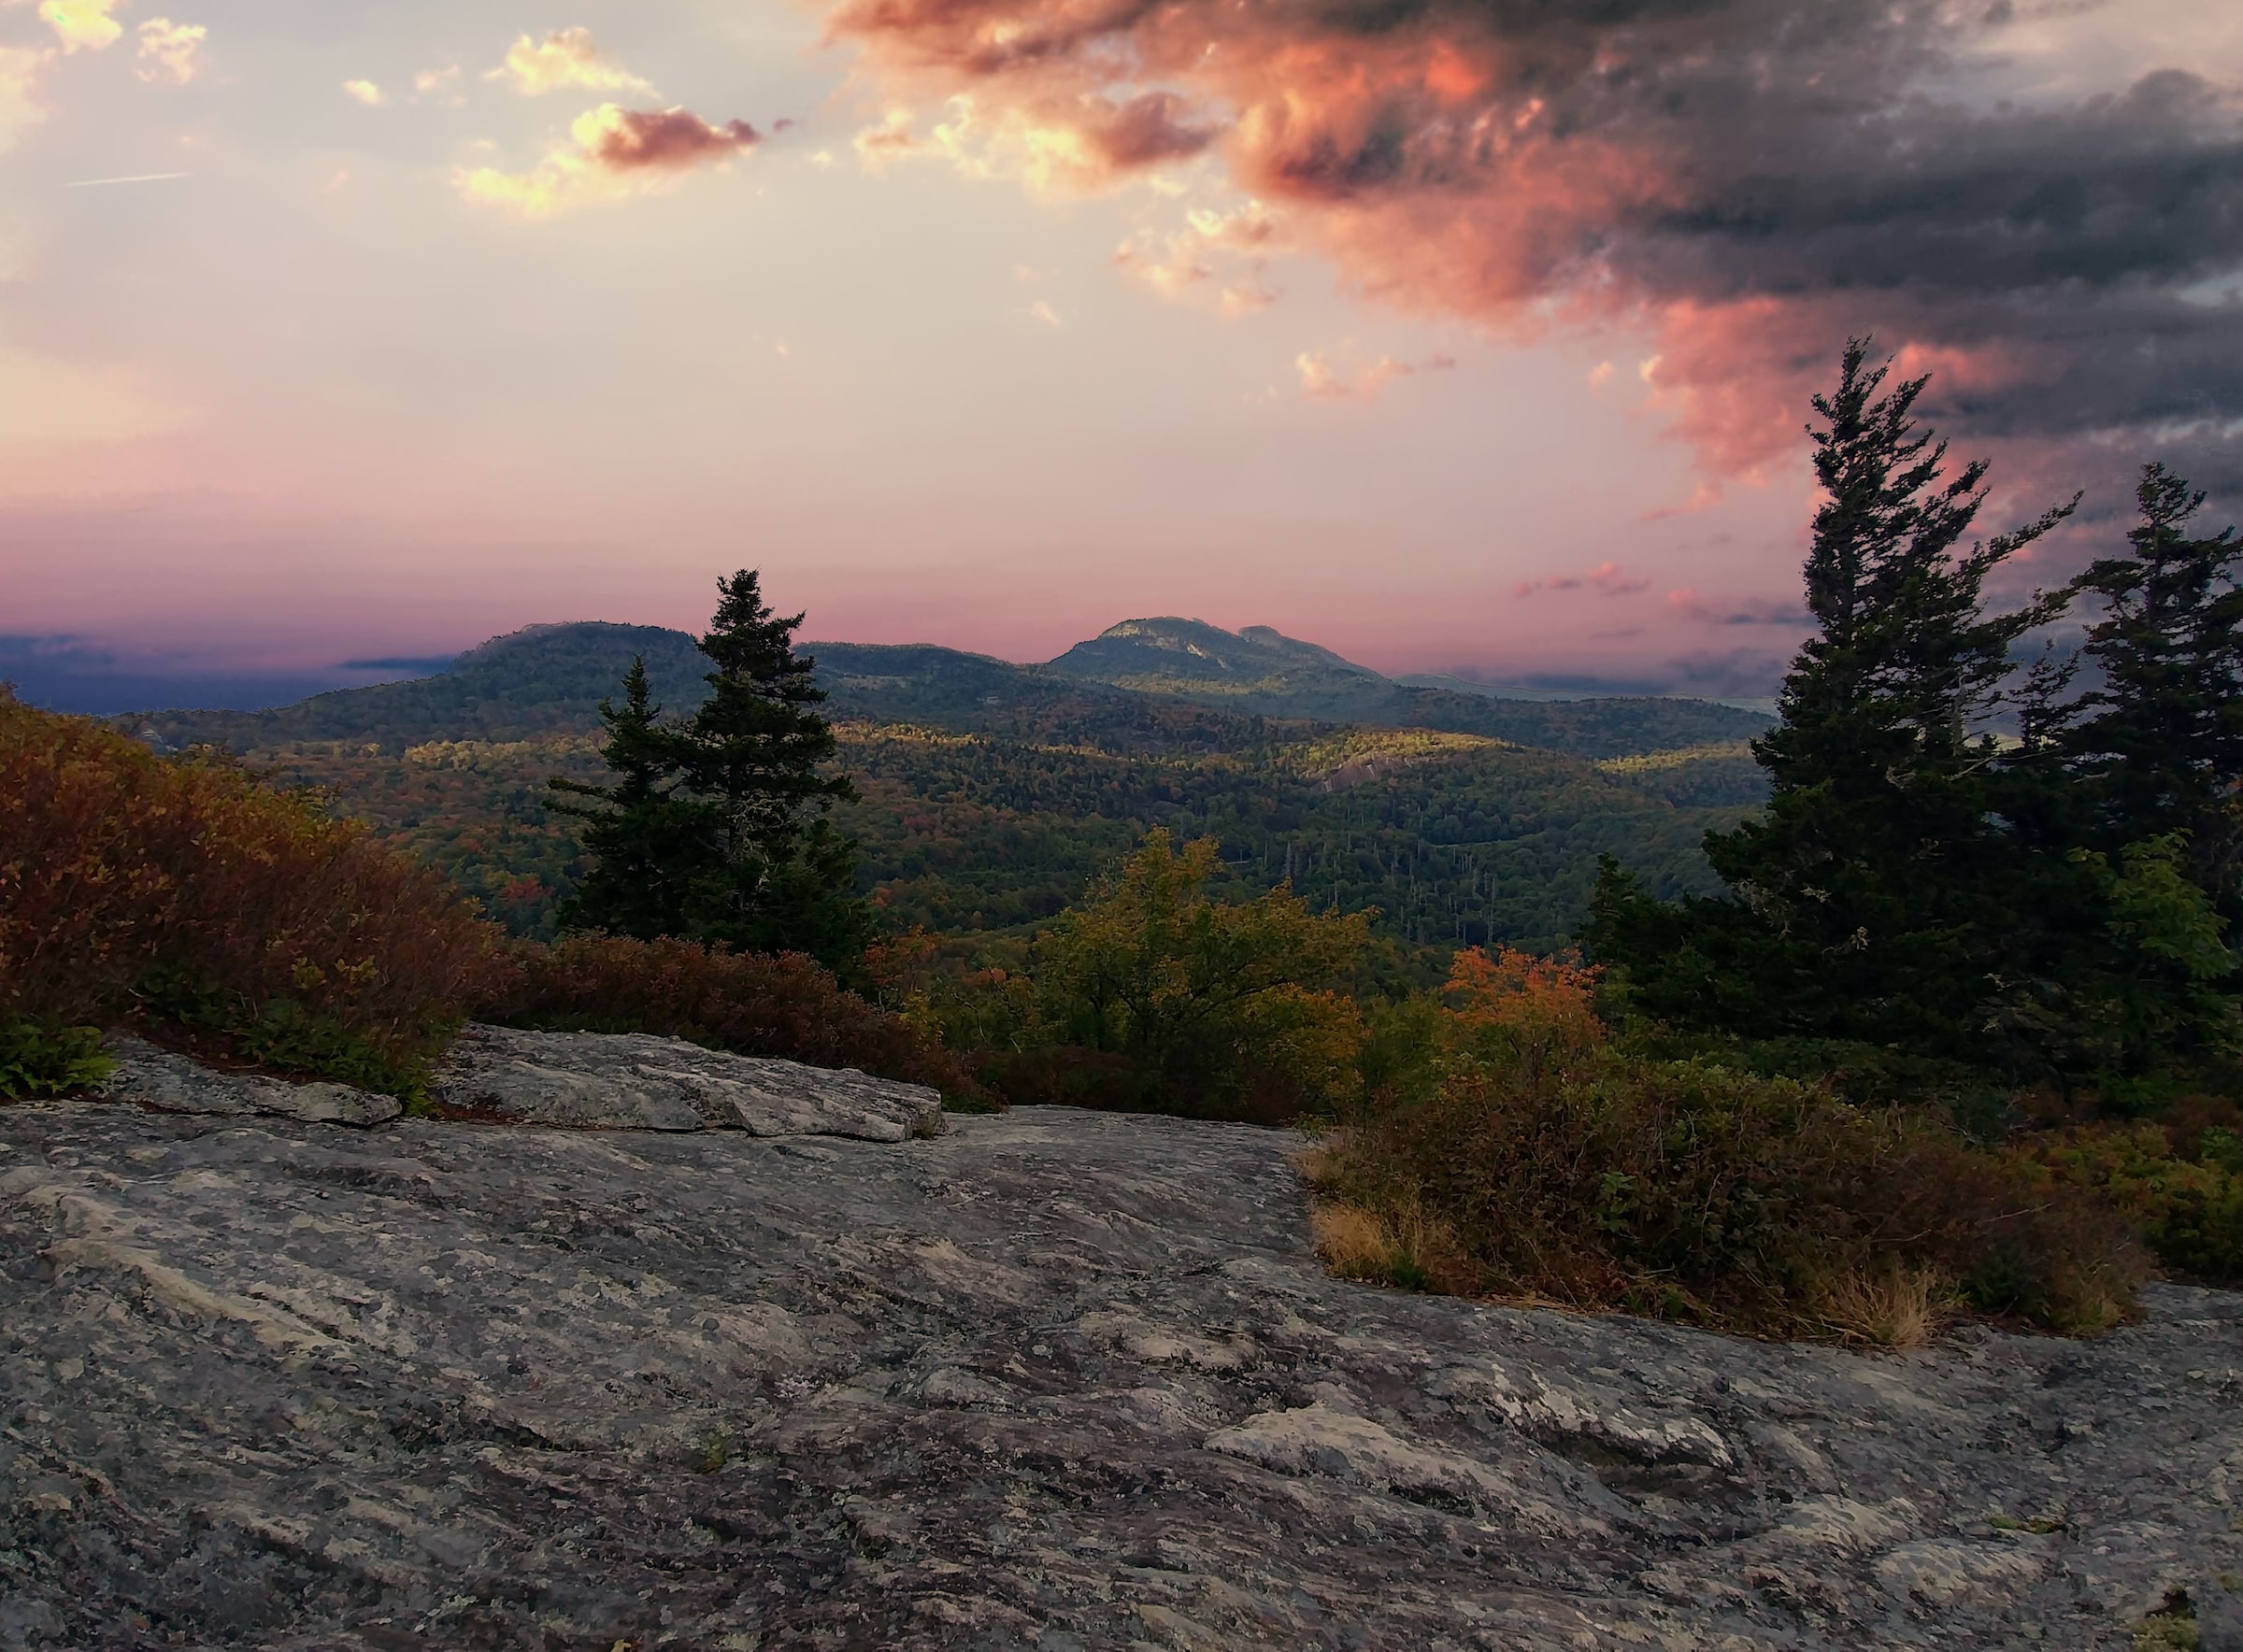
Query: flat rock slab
[1052, 1380]
[172, 1083]
[637, 1081]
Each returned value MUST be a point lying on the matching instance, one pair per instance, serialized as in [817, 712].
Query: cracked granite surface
[1055, 1380]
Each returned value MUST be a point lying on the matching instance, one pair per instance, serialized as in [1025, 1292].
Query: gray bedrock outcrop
[572, 1080]
[1052, 1380]
[172, 1083]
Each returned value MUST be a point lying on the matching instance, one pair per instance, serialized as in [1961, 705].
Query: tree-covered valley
[993, 794]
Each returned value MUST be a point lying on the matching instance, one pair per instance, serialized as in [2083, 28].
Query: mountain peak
[1194, 659]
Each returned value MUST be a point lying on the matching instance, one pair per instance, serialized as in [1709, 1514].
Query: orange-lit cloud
[365, 91]
[170, 51]
[1320, 381]
[565, 61]
[21, 71]
[612, 152]
[1067, 146]
[1746, 183]
[1219, 258]
[82, 26]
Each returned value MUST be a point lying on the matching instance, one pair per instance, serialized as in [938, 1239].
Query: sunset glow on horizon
[1451, 337]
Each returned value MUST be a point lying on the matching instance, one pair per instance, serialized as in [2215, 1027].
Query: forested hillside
[993, 792]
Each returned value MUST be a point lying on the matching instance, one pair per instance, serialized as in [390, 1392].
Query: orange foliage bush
[1551, 1164]
[183, 892]
[786, 1005]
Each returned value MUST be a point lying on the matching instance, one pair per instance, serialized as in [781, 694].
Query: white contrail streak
[94, 183]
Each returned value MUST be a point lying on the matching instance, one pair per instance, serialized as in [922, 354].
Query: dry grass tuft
[1408, 1248]
[1899, 1307]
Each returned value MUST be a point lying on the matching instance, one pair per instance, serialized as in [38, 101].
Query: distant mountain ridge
[1142, 683]
[1262, 672]
[992, 793]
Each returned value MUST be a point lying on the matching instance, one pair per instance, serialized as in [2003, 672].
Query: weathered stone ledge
[1050, 1380]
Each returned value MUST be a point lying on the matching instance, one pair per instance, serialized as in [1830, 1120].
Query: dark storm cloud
[1754, 179]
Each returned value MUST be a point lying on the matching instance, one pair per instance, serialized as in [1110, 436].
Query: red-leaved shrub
[786, 1005]
[183, 893]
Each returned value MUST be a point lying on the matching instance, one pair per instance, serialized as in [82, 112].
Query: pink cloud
[1688, 605]
[1606, 579]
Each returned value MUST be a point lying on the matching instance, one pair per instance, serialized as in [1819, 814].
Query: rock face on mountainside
[1051, 1380]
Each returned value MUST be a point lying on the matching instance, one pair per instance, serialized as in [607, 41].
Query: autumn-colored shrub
[786, 1005]
[1154, 996]
[182, 893]
[2181, 1187]
[1551, 1164]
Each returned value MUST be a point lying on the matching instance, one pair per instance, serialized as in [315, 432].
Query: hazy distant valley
[992, 792]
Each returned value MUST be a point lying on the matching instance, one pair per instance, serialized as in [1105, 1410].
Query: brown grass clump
[1406, 1248]
[786, 1005]
[184, 895]
[1568, 1170]
[1902, 1307]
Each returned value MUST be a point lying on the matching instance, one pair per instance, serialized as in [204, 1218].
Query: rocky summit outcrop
[567, 1080]
[171, 1083]
[1052, 1380]
[635, 1081]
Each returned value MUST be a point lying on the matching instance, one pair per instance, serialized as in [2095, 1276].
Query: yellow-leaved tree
[1188, 1003]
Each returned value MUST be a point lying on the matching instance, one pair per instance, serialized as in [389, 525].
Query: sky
[1467, 335]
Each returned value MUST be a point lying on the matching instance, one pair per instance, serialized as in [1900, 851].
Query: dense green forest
[992, 793]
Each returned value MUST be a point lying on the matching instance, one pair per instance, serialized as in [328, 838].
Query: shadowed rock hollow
[1050, 1380]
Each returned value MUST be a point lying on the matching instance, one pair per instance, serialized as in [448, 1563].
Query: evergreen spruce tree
[2160, 740]
[1874, 900]
[714, 828]
[2155, 753]
[786, 880]
[651, 844]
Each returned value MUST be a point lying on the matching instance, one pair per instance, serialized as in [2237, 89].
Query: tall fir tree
[757, 748]
[1872, 902]
[652, 843]
[2159, 739]
[714, 829]
[2153, 757]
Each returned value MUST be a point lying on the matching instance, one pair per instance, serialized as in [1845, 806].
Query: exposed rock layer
[1051, 1380]
[568, 1080]
[170, 1082]
[637, 1081]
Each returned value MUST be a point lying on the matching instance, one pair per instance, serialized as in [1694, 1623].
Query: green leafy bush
[2182, 1189]
[1174, 1001]
[46, 1060]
